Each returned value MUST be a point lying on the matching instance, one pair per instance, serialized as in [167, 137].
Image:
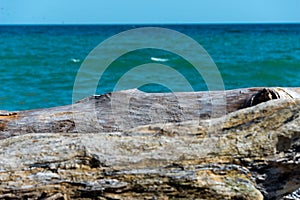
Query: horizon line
[150, 23]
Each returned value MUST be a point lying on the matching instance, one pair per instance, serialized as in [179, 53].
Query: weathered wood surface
[120, 111]
[251, 153]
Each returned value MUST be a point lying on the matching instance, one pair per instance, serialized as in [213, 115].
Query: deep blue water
[38, 64]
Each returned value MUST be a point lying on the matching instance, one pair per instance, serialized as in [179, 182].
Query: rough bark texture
[249, 153]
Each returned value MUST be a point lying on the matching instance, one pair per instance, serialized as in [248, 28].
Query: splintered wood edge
[267, 94]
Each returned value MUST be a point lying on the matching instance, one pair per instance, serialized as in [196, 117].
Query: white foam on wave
[159, 59]
[74, 60]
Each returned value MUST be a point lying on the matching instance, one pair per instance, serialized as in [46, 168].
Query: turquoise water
[38, 64]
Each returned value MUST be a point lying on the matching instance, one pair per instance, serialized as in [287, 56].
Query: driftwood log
[234, 144]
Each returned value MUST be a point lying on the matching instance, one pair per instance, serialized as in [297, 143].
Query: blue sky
[147, 11]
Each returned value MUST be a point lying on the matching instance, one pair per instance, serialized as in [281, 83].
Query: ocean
[39, 63]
